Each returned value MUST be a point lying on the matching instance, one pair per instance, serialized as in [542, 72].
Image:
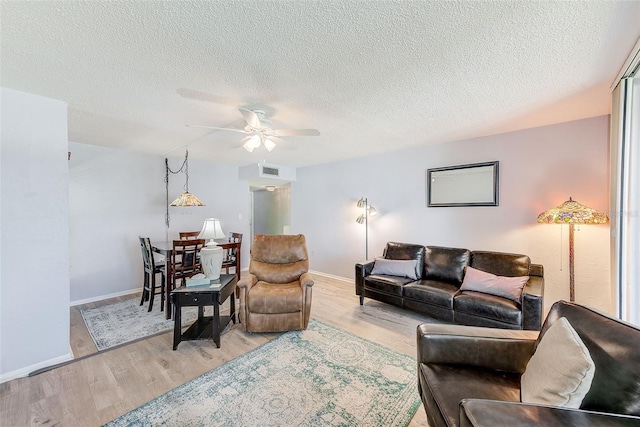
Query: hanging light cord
[183, 168]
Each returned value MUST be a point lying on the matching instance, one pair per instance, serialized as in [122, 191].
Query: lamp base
[211, 260]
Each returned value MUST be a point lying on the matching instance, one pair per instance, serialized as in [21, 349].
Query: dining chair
[150, 288]
[185, 261]
[230, 259]
[189, 235]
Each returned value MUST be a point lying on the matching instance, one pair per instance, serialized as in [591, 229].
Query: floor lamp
[364, 218]
[572, 212]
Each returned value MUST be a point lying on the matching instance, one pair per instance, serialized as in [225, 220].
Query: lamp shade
[572, 212]
[211, 229]
[186, 199]
[211, 255]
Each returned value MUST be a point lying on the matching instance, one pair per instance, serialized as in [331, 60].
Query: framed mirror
[465, 185]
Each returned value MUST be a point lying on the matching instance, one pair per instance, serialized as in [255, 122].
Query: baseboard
[103, 297]
[23, 372]
[331, 276]
[133, 291]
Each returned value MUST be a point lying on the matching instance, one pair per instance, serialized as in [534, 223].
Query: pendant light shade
[186, 199]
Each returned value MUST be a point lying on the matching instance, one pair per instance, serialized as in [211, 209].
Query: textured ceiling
[372, 77]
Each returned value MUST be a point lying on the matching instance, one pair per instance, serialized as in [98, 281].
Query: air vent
[270, 171]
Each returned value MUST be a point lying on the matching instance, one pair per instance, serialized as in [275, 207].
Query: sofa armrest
[363, 269]
[497, 349]
[533, 300]
[490, 413]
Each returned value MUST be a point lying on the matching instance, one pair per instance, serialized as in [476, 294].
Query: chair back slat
[147, 255]
[185, 261]
[189, 235]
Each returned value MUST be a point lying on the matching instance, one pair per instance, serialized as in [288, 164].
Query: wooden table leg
[232, 307]
[216, 323]
[177, 326]
[169, 285]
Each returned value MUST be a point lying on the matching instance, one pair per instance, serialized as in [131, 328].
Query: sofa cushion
[446, 385]
[386, 284]
[267, 298]
[432, 292]
[560, 371]
[395, 267]
[445, 264]
[487, 283]
[406, 251]
[500, 263]
[488, 306]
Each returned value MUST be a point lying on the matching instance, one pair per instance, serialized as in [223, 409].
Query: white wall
[34, 272]
[117, 195]
[539, 168]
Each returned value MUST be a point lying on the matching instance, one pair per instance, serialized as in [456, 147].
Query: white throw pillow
[560, 371]
[396, 267]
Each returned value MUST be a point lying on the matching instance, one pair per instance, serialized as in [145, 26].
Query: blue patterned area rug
[122, 322]
[323, 376]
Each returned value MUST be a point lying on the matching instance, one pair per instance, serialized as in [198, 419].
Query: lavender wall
[34, 273]
[539, 168]
[117, 195]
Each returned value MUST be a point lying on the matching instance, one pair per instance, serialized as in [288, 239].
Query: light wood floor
[99, 387]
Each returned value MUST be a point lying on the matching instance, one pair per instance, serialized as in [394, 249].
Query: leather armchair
[470, 376]
[276, 294]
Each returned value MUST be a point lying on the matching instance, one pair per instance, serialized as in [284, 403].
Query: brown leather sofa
[436, 291]
[470, 376]
[276, 294]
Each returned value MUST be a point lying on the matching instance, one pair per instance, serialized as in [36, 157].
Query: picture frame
[475, 184]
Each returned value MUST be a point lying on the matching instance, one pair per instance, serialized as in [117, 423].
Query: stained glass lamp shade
[572, 212]
[186, 199]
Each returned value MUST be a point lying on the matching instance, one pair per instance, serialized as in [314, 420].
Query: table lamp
[211, 254]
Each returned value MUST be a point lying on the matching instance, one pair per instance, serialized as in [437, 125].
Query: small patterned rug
[323, 376]
[115, 324]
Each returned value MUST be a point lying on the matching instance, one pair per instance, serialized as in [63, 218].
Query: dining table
[165, 249]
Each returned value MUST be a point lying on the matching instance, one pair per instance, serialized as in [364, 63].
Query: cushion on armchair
[560, 371]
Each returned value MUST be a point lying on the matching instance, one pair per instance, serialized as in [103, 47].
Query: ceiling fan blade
[252, 118]
[295, 132]
[216, 128]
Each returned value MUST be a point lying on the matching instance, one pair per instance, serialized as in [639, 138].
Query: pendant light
[186, 198]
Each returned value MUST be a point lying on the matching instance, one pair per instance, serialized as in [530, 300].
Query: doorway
[270, 209]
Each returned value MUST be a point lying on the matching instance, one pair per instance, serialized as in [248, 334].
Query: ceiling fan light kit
[260, 130]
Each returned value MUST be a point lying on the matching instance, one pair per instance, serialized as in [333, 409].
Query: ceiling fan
[259, 131]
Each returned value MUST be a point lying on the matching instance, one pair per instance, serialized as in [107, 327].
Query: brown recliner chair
[276, 294]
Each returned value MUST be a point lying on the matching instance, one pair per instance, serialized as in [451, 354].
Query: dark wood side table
[166, 249]
[205, 327]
